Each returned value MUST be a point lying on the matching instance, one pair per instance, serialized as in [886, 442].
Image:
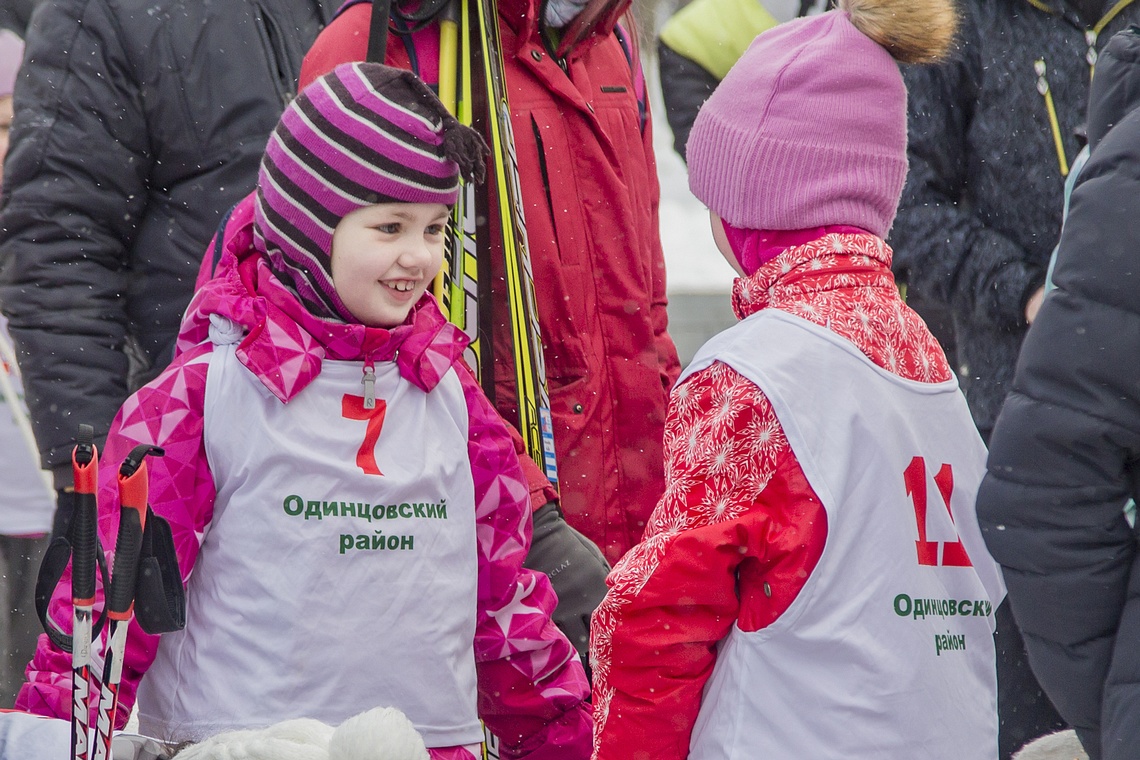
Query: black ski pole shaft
[378, 31]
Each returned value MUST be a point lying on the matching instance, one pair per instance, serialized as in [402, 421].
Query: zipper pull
[1091, 56]
[1042, 82]
[1054, 124]
[369, 382]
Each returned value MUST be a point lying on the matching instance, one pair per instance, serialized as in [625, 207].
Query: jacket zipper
[1091, 56]
[1091, 35]
[276, 57]
[544, 34]
[369, 383]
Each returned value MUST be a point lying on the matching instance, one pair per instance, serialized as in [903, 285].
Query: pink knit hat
[809, 127]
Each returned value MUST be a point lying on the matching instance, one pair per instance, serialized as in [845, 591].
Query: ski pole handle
[85, 468]
[83, 537]
[133, 493]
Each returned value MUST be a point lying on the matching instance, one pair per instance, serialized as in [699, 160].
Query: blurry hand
[1034, 305]
[577, 570]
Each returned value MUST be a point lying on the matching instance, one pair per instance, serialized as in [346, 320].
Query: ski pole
[85, 466]
[133, 494]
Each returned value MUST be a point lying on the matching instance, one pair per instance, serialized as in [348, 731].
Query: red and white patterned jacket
[739, 529]
[532, 687]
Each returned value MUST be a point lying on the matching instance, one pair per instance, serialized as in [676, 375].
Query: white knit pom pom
[383, 733]
[300, 739]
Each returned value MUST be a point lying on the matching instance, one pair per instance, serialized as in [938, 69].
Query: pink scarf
[755, 248]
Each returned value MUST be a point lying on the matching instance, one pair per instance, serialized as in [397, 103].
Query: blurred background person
[26, 503]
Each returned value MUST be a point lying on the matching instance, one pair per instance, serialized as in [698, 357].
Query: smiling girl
[349, 510]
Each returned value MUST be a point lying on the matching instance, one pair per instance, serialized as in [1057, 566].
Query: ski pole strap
[219, 242]
[378, 31]
[160, 597]
[55, 561]
[81, 544]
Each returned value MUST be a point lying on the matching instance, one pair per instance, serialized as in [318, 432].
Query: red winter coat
[735, 550]
[590, 195]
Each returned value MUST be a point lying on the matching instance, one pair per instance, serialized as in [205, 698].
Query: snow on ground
[692, 262]
[699, 280]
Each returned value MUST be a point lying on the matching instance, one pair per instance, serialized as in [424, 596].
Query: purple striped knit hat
[360, 135]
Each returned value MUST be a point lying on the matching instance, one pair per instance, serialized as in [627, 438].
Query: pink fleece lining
[755, 248]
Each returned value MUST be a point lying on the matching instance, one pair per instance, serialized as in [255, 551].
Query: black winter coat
[981, 211]
[138, 124]
[1065, 454]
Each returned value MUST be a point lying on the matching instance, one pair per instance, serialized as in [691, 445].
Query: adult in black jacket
[138, 123]
[981, 214]
[981, 210]
[1065, 454]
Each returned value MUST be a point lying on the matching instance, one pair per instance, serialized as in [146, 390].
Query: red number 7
[352, 408]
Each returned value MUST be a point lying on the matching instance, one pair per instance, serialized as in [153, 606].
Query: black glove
[577, 569]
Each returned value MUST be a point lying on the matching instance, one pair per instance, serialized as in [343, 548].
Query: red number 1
[352, 408]
[953, 553]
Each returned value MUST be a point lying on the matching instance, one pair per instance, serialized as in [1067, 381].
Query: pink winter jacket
[532, 689]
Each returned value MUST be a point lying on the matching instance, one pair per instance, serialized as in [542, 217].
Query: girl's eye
[388, 229]
[435, 229]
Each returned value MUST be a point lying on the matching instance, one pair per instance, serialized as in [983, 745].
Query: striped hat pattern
[360, 135]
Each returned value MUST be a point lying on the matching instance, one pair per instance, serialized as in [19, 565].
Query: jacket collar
[802, 269]
[524, 17]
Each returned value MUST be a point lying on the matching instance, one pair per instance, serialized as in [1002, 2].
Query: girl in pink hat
[813, 583]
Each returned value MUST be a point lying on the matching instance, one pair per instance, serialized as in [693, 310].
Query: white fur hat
[1062, 745]
[383, 733]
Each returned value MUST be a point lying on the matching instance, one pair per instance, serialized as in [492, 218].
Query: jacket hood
[1115, 89]
[284, 345]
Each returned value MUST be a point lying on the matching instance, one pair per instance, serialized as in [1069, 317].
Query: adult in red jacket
[590, 196]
